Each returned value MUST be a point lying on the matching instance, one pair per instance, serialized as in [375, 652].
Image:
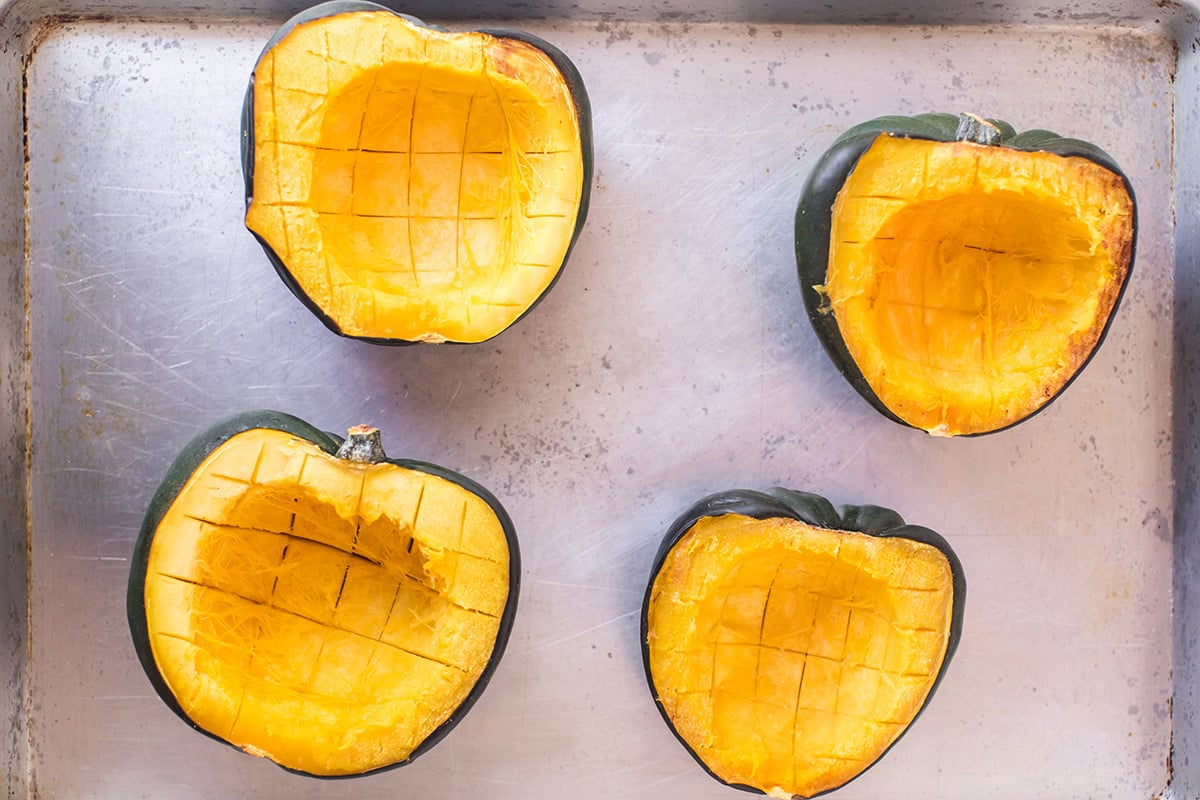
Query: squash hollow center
[987, 284]
[413, 178]
[281, 574]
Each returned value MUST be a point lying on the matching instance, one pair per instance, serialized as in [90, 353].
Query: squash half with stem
[309, 600]
[961, 274]
[411, 184]
[789, 645]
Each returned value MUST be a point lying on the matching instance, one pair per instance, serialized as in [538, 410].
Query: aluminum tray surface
[672, 360]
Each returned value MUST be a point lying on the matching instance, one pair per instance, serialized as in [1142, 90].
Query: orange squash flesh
[971, 282]
[326, 614]
[418, 185]
[790, 657]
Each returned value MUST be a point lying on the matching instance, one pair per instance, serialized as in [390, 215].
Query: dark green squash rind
[181, 470]
[814, 222]
[813, 510]
[583, 114]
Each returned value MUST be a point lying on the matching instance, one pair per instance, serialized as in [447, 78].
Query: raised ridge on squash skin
[768, 727]
[446, 568]
[480, 221]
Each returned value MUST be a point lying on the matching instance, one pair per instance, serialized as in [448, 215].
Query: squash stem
[973, 128]
[363, 444]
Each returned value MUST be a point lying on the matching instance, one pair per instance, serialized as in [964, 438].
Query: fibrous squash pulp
[788, 645]
[310, 601]
[411, 184]
[960, 274]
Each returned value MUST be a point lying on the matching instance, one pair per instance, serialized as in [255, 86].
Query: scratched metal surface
[671, 360]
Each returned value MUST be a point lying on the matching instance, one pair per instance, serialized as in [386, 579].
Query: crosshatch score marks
[288, 578]
[806, 645]
[945, 258]
[417, 174]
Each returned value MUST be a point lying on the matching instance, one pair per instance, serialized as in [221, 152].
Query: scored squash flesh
[789, 657]
[326, 614]
[417, 185]
[971, 282]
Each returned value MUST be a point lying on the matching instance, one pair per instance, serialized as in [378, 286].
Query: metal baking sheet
[671, 360]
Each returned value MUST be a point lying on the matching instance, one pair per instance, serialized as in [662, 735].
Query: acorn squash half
[412, 184]
[789, 645]
[961, 274]
[309, 600]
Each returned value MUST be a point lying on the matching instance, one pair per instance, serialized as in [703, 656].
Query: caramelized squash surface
[326, 614]
[417, 185]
